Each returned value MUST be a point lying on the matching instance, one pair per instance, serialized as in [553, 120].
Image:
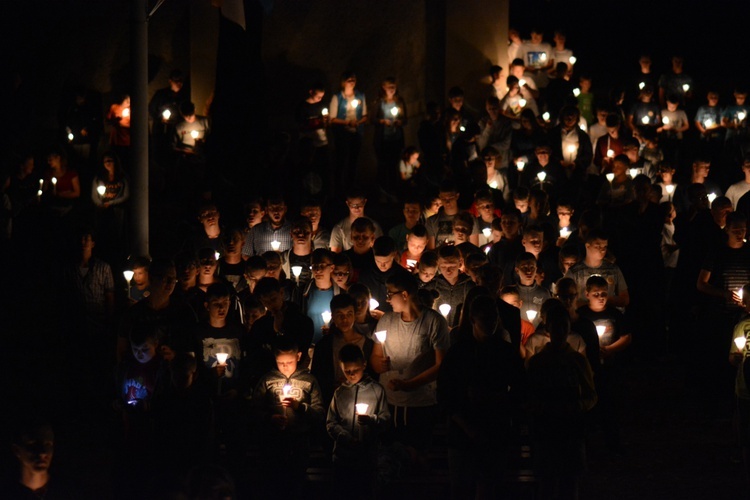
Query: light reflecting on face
[286, 363]
[353, 371]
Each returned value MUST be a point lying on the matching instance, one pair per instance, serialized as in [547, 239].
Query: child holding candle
[286, 406]
[357, 415]
[738, 354]
[451, 283]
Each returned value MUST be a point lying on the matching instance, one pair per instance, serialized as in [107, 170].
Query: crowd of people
[522, 258]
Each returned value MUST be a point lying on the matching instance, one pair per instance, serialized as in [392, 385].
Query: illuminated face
[218, 308]
[449, 268]
[740, 98]
[145, 352]
[536, 38]
[597, 249]
[273, 301]
[510, 226]
[389, 89]
[286, 362]
[672, 106]
[384, 263]
[736, 232]
[489, 162]
[208, 266]
[301, 235]
[568, 262]
[210, 218]
[411, 213]
[449, 201]
[532, 242]
[517, 71]
[619, 168]
[512, 299]
[356, 207]
[666, 176]
[414, 158]
[253, 277]
[312, 213]
[564, 214]
[255, 215]
[353, 371]
[35, 452]
[362, 241]
[396, 298]
[322, 270]
[702, 170]
[344, 318]
[415, 244]
[435, 205]
[140, 275]
[713, 99]
[427, 274]
[341, 275]
[597, 297]
[276, 213]
[526, 272]
[457, 102]
[613, 132]
[316, 96]
[349, 84]
[486, 210]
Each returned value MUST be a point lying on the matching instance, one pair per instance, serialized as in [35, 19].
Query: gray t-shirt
[411, 347]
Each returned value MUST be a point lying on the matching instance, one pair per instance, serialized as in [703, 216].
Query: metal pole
[139, 126]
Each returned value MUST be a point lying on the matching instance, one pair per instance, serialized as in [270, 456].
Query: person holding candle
[312, 117]
[360, 254]
[286, 407]
[575, 163]
[312, 208]
[412, 212]
[510, 294]
[537, 55]
[416, 344]
[276, 228]
[440, 226]
[348, 112]
[675, 82]
[427, 268]
[618, 191]
[317, 295]
[300, 255]
[342, 270]
[699, 175]
[476, 389]
[644, 113]
[61, 182]
[118, 119]
[389, 118]
[451, 283]
[326, 365]
[357, 415]
[738, 354]
[386, 265]
[734, 118]
[486, 213]
[191, 132]
[408, 169]
[231, 264]
[531, 294]
[139, 288]
[738, 189]
[164, 109]
[674, 124]
[608, 146]
[541, 335]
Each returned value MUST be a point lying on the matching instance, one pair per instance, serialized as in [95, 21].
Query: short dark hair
[596, 234]
[265, 286]
[284, 345]
[596, 281]
[384, 246]
[419, 230]
[429, 259]
[363, 224]
[342, 301]
[217, 291]
[351, 353]
[187, 108]
[404, 281]
[255, 263]
[448, 252]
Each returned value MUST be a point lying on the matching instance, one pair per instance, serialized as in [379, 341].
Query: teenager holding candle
[389, 118]
[348, 112]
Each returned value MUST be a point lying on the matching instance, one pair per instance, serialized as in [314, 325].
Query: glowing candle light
[600, 329]
[610, 153]
[711, 197]
[41, 183]
[522, 102]
[126, 112]
[708, 123]
[326, 315]
[445, 310]
[739, 293]
[217, 255]
[128, 275]
[71, 136]
[362, 408]
[411, 262]
[194, 134]
[685, 87]
[54, 181]
[543, 56]
[645, 120]
[324, 112]
[487, 232]
[166, 114]
[355, 103]
[462, 128]
[633, 172]
[221, 357]
[493, 184]
[374, 304]
[101, 189]
[545, 116]
[610, 177]
[521, 82]
[564, 232]
[381, 336]
[487, 249]
[531, 314]
[740, 342]
[665, 120]
[576, 91]
[297, 272]
[583, 126]
[572, 151]
[520, 164]
[741, 115]
[572, 60]
[541, 176]
[275, 245]
[641, 85]
[669, 188]
[39, 194]
[394, 112]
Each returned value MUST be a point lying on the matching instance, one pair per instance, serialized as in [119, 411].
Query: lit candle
[285, 394]
[462, 128]
[362, 408]
[126, 112]
[708, 123]
[610, 177]
[39, 195]
[572, 60]
[522, 102]
[297, 272]
[645, 120]
[324, 112]
[326, 315]
[685, 87]
[610, 153]
[487, 232]
[275, 245]
[487, 249]
[641, 85]
[739, 293]
[355, 103]
[41, 183]
[194, 134]
[740, 342]
[221, 357]
[101, 189]
[217, 255]
[531, 315]
[582, 126]
[572, 152]
[711, 197]
[520, 164]
[394, 112]
[128, 274]
[54, 181]
[600, 329]
[381, 336]
[71, 136]
[374, 304]
[493, 184]
[665, 120]
[741, 115]
[411, 263]
[545, 116]
[543, 56]
[576, 91]
[166, 114]
[521, 82]
[445, 310]
[633, 172]
[669, 188]
[541, 176]
[564, 232]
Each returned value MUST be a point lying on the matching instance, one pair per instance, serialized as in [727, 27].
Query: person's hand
[376, 313]
[397, 123]
[290, 403]
[325, 330]
[605, 352]
[398, 384]
[106, 204]
[734, 297]
[382, 364]
[220, 370]
[364, 419]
